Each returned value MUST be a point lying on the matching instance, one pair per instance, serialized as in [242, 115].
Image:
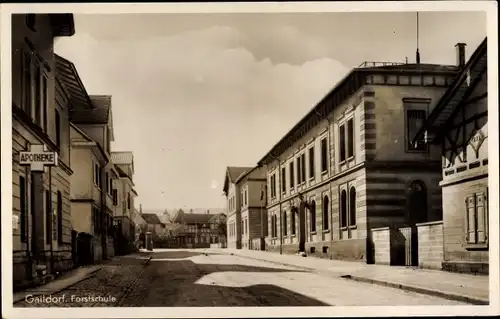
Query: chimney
[460, 54]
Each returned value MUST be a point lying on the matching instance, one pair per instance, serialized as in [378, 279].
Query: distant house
[153, 224]
[195, 230]
[219, 239]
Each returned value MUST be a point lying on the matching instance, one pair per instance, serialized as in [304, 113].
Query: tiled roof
[235, 172]
[255, 172]
[151, 219]
[122, 157]
[98, 115]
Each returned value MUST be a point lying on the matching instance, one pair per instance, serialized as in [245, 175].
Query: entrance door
[302, 227]
[417, 213]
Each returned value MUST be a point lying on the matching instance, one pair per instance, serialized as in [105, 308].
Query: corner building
[349, 165]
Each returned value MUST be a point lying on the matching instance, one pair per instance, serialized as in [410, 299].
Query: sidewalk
[64, 281]
[461, 287]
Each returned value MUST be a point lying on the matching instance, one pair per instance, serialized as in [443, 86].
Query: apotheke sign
[38, 157]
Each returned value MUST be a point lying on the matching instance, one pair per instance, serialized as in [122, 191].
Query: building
[123, 197]
[349, 167]
[196, 230]
[459, 125]
[41, 235]
[153, 224]
[91, 200]
[253, 208]
[218, 225]
[231, 191]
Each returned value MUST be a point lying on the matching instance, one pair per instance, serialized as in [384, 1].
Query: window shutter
[471, 219]
[482, 223]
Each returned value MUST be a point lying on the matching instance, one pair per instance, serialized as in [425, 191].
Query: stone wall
[381, 239]
[430, 245]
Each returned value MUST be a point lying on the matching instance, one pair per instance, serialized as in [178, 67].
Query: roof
[193, 218]
[67, 75]
[98, 115]
[347, 86]
[256, 171]
[232, 174]
[217, 216]
[151, 219]
[458, 91]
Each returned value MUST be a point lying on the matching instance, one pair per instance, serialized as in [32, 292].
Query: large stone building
[350, 166]
[459, 125]
[91, 193]
[253, 211]
[232, 192]
[41, 234]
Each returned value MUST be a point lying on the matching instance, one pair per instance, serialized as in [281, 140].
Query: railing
[370, 64]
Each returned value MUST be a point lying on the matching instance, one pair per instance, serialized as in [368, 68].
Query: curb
[22, 295]
[421, 290]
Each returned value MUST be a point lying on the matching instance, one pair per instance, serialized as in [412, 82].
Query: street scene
[250, 160]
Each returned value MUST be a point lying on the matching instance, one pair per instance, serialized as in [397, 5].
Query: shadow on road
[174, 284]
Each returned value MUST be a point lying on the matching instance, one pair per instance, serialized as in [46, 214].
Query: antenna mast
[418, 53]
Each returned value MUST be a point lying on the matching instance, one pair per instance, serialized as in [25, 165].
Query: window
[129, 201]
[246, 226]
[115, 197]
[45, 102]
[414, 122]
[303, 168]
[312, 210]
[326, 203]
[38, 91]
[343, 208]
[23, 203]
[107, 183]
[273, 186]
[291, 175]
[311, 162]
[246, 197]
[285, 226]
[59, 217]
[324, 155]
[342, 143]
[26, 81]
[477, 219]
[350, 138]
[352, 206]
[299, 167]
[292, 222]
[96, 174]
[30, 21]
[48, 216]
[283, 180]
[275, 226]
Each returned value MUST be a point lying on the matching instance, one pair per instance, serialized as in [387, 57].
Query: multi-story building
[349, 165]
[232, 192]
[196, 230]
[41, 234]
[459, 125]
[124, 196]
[253, 208]
[91, 202]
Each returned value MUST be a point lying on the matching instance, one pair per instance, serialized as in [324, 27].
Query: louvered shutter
[471, 219]
[482, 223]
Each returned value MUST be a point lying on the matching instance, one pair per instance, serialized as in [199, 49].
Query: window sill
[313, 233]
[292, 236]
[326, 231]
[325, 172]
[475, 246]
[353, 227]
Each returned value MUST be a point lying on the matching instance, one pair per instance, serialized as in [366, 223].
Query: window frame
[303, 167]
[312, 214]
[324, 155]
[326, 212]
[312, 166]
[292, 223]
[347, 142]
[284, 224]
[476, 244]
[292, 175]
[417, 105]
[283, 179]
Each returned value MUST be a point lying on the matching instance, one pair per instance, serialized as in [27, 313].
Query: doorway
[302, 227]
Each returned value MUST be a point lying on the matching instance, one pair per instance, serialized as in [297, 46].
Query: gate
[410, 248]
[84, 250]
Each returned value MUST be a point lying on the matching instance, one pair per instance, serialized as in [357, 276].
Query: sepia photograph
[308, 159]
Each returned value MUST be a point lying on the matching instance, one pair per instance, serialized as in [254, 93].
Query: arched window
[285, 225]
[292, 221]
[326, 203]
[343, 208]
[312, 210]
[352, 206]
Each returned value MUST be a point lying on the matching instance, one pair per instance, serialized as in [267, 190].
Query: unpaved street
[196, 278]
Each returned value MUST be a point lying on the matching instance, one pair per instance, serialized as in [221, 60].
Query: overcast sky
[194, 93]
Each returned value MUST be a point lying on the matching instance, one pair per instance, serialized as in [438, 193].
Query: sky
[195, 93]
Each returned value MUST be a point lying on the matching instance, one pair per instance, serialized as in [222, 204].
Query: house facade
[218, 238]
[195, 231]
[42, 234]
[459, 125]
[92, 205]
[349, 166]
[253, 208]
[123, 197]
[232, 192]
